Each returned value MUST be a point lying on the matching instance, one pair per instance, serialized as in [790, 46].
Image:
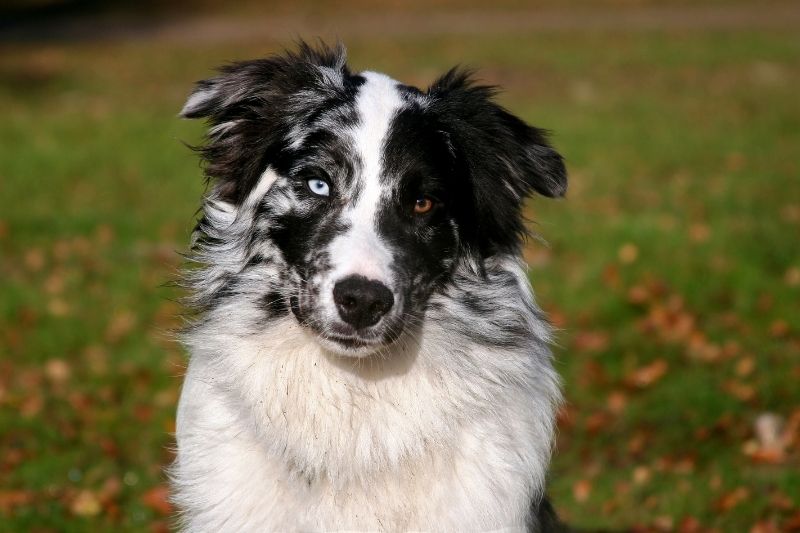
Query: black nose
[361, 301]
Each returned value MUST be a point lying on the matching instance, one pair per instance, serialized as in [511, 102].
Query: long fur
[446, 422]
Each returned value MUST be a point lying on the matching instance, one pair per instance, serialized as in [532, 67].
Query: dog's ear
[251, 106]
[504, 158]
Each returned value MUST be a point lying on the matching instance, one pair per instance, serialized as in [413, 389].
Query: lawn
[672, 269]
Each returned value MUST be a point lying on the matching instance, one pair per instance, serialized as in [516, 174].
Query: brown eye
[423, 205]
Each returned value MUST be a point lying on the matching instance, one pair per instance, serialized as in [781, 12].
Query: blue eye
[319, 187]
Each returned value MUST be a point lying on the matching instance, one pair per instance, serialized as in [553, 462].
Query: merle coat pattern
[367, 353]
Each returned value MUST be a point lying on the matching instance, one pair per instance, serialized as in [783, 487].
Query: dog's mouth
[341, 338]
[349, 343]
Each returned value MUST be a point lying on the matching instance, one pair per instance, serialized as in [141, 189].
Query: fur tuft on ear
[505, 159]
[201, 101]
[251, 107]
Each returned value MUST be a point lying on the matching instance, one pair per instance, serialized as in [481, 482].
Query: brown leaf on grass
[792, 277]
[597, 421]
[157, 499]
[765, 526]
[641, 475]
[54, 284]
[792, 524]
[592, 373]
[34, 259]
[741, 391]
[581, 490]
[103, 234]
[57, 370]
[58, 307]
[790, 213]
[160, 526]
[591, 341]
[85, 504]
[689, 524]
[745, 366]
[731, 499]
[779, 500]
[628, 253]
[699, 232]
[663, 523]
[3, 229]
[616, 402]
[701, 349]
[565, 418]
[637, 443]
[11, 499]
[611, 277]
[120, 325]
[779, 328]
[638, 295]
[647, 375]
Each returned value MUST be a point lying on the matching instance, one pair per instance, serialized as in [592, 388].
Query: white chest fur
[274, 434]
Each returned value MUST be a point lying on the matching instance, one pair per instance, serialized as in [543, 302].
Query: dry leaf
[779, 328]
[745, 366]
[731, 499]
[641, 475]
[120, 325]
[792, 277]
[628, 253]
[591, 341]
[10, 499]
[646, 376]
[581, 490]
[57, 370]
[741, 391]
[616, 402]
[85, 504]
[157, 499]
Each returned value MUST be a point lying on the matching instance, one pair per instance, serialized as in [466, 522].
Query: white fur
[275, 434]
[360, 251]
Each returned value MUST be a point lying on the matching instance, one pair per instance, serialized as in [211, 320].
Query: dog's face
[366, 192]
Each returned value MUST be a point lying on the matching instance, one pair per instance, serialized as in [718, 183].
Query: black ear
[504, 158]
[251, 105]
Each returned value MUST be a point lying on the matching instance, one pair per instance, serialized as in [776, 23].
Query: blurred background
[672, 269]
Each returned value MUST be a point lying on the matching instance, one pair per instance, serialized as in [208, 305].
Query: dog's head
[348, 199]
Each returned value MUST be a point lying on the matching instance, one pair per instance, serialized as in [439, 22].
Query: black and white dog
[368, 354]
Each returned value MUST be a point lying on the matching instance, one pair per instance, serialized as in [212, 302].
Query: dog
[366, 352]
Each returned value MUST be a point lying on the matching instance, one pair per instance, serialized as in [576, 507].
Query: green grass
[685, 184]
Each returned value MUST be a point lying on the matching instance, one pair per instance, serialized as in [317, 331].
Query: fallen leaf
[699, 232]
[731, 499]
[57, 370]
[628, 253]
[646, 376]
[689, 524]
[792, 277]
[85, 504]
[120, 325]
[779, 328]
[10, 499]
[663, 523]
[157, 499]
[765, 526]
[641, 475]
[34, 259]
[741, 391]
[745, 366]
[581, 490]
[616, 402]
[591, 341]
